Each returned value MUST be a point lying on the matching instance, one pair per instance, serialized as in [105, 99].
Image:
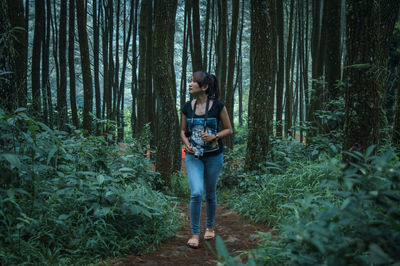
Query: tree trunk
[19, 65]
[150, 96]
[122, 83]
[71, 63]
[205, 46]
[45, 65]
[196, 57]
[184, 56]
[37, 41]
[362, 95]
[134, 87]
[221, 47]
[164, 28]
[281, 67]
[96, 63]
[230, 90]
[62, 46]
[333, 48]
[396, 126]
[46, 55]
[210, 61]
[289, 88]
[239, 75]
[260, 84]
[85, 63]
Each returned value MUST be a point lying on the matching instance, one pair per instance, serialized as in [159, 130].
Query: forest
[91, 160]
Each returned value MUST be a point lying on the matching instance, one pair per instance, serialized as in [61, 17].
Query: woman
[203, 147]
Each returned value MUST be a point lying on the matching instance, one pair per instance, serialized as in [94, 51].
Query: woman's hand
[207, 137]
[189, 148]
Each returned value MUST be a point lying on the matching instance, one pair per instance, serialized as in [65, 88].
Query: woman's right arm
[188, 146]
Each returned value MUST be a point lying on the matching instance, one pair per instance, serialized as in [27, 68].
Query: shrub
[72, 199]
[352, 220]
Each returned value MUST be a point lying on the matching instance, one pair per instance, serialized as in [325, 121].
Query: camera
[198, 151]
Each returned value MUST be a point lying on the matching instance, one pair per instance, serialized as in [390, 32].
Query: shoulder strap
[205, 117]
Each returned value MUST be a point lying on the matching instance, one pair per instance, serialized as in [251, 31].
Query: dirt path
[237, 233]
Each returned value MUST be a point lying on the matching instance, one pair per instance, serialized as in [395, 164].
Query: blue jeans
[203, 175]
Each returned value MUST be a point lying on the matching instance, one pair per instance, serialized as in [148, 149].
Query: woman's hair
[203, 79]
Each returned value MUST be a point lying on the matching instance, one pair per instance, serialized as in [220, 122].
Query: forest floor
[238, 234]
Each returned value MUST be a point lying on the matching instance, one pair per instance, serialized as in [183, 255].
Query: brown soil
[237, 233]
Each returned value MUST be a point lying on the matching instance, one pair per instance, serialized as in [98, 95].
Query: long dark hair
[203, 79]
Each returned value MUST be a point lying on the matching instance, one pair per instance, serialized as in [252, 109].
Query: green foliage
[71, 199]
[180, 185]
[336, 215]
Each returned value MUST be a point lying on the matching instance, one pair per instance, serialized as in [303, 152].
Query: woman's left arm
[226, 124]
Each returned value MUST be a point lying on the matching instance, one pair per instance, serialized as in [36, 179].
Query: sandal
[193, 242]
[209, 234]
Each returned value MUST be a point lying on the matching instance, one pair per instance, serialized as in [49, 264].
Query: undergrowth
[71, 199]
[325, 212]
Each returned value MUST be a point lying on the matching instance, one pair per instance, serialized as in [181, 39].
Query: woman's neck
[201, 98]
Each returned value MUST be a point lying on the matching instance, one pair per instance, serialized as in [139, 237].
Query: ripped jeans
[203, 176]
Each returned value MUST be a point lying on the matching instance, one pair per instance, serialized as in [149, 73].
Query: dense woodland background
[309, 85]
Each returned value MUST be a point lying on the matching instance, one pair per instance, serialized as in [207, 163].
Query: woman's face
[194, 87]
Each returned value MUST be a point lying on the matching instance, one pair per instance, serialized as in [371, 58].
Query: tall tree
[37, 41]
[362, 95]
[221, 47]
[333, 48]
[206, 29]
[120, 109]
[396, 126]
[239, 74]
[134, 67]
[144, 79]
[96, 62]
[289, 88]
[85, 64]
[196, 56]
[71, 63]
[260, 84]
[281, 67]
[19, 69]
[62, 91]
[164, 29]
[184, 55]
[45, 67]
[230, 90]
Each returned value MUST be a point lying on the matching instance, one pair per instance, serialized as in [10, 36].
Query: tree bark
[196, 57]
[289, 88]
[230, 90]
[96, 63]
[71, 63]
[221, 47]
[19, 65]
[206, 29]
[260, 84]
[333, 48]
[62, 48]
[164, 28]
[396, 126]
[122, 83]
[362, 95]
[85, 63]
[281, 67]
[184, 56]
[37, 41]
[134, 87]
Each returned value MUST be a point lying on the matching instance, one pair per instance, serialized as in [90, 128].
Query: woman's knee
[196, 195]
